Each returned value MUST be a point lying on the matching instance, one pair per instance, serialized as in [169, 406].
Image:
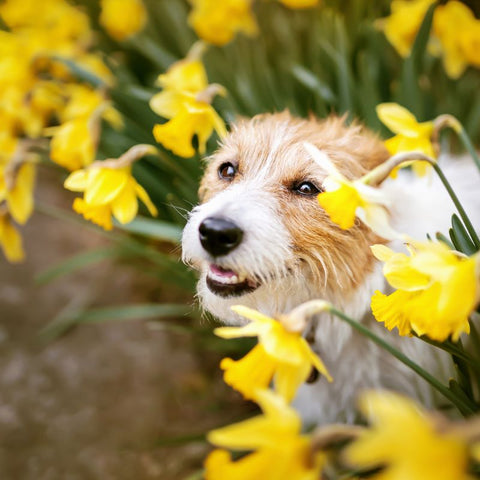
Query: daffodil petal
[125, 205]
[104, 185]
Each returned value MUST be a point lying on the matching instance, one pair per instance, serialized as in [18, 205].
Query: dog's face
[259, 237]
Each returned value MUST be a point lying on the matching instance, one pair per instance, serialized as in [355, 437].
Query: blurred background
[107, 367]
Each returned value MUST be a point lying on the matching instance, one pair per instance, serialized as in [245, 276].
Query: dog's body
[260, 239]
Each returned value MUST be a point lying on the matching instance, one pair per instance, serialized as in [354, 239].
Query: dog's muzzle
[219, 236]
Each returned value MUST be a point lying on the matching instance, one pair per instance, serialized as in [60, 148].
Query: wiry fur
[297, 254]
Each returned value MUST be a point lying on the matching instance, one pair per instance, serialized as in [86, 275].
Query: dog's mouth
[228, 283]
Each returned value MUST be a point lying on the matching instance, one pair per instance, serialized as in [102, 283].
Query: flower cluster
[186, 101]
[455, 33]
[38, 91]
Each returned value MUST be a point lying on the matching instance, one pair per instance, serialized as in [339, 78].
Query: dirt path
[93, 404]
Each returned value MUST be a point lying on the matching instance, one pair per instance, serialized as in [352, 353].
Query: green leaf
[461, 238]
[70, 318]
[76, 262]
[131, 312]
[81, 73]
[156, 229]
[411, 96]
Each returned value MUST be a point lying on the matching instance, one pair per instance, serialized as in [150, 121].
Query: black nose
[219, 236]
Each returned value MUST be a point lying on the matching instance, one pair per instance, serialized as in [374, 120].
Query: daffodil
[402, 25]
[282, 354]
[10, 239]
[109, 186]
[123, 18]
[300, 3]
[278, 450]
[458, 32]
[436, 290]
[345, 199]
[186, 101]
[218, 22]
[404, 442]
[411, 135]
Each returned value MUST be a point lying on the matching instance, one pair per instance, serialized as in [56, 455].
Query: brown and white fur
[291, 252]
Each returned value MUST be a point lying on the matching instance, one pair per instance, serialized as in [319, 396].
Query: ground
[96, 402]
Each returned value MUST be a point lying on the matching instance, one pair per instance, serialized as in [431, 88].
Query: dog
[259, 238]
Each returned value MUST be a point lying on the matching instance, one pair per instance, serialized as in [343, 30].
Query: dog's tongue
[222, 272]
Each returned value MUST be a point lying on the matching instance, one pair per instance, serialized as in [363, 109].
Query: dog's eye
[306, 188]
[227, 171]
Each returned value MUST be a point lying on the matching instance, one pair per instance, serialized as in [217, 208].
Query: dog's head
[259, 236]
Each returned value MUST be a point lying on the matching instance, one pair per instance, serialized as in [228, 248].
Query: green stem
[458, 205]
[460, 403]
[469, 146]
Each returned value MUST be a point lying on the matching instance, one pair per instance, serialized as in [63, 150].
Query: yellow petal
[122, 18]
[398, 119]
[100, 215]
[184, 76]
[168, 103]
[76, 181]
[390, 311]
[10, 241]
[20, 198]
[341, 205]
[125, 205]
[289, 377]
[252, 372]
[105, 184]
[143, 196]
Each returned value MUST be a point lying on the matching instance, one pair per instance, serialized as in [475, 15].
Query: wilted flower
[404, 442]
[437, 290]
[344, 200]
[10, 239]
[282, 354]
[218, 22]
[123, 18]
[110, 189]
[279, 451]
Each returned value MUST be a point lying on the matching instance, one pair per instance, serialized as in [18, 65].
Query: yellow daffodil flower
[123, 18]
[279, 451]
[436, 290]
[194, 118]
[403, 440]
[458, 32]
[10, 239]
[300, 3]
[109, 186]
[411, 135]
[402, 25]
[218, 22]
[344, 200]
[186, 101]
[282, 354]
